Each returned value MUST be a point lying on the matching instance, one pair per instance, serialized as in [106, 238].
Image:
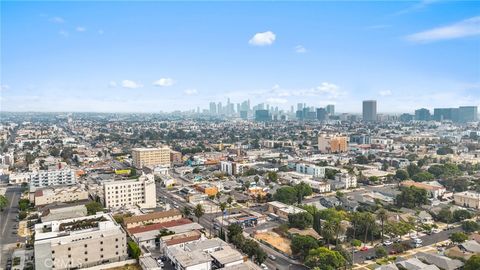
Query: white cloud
[164, 82]
[81, 29]
[326, 88]
[191, 92]
[277, 100]
[465, 28]
[112, 84]
[4, 87]
[57, 20]
[63, 33]
[417, 6]
[100, 32]
[263, 39]
[131, 84]
[385, 93]
[300, 49]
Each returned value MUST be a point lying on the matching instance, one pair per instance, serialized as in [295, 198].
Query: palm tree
[186, 211]
[199, 212]
[328, 231]
[382, 216]
[222, 206]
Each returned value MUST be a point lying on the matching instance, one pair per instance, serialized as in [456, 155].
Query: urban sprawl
[240, 187]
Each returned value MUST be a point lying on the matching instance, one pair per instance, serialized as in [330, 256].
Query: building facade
[332, 144]
[48, 195]
[139, 192]
[467, 199]
[52, 178]
[313, 170]
[150, 156]
[79, 243]
[369, 110]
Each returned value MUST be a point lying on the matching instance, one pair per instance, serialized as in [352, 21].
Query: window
[86, 259]
[101, 242]
[86, 252]
[101, 249]
[116, 253]
[69, 256]
[85, 245]
[53, 251]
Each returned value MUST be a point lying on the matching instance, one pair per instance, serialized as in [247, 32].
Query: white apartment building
[48, 195]
[79, 243]
[347, 180]
[139, 192]
[150, 156]
[52, 178]
[233, 168]
[313, 170]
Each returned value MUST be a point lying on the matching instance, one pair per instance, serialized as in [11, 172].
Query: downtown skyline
[86, 57]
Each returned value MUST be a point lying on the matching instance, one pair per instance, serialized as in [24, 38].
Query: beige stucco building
[467, 199]
[55, 194]
[150, 156]
[150, 218]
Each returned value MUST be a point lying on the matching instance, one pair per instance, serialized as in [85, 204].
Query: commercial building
[176, 157]
[360, 139]
[150, 156]
[139, 192]
[283, 210]
[313, 170]
[467, 199]
[443, 114]
[55, 194]
[422, 115]
[322, 114]
[150, 218]
[369, 110]
[262, 116]
[332, 143]
[468, 114]
[330, 109]
[52, 178]
[79, 243]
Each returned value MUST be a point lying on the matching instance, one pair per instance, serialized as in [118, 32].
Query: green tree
[470, 226]
[260, 255]
[196, 170]
[302, 189]
[272, 176]
[401, 175]
[134, 250]
[473, 263]
[445, 215]
[3, 202]
[412, 197]
[286, 195]
[381, 252]
[413, 169]
[356, 243]
[23, 204]
[324, 259]
[233, 230]
[229, 200]
[300, 220]
[422, 177]
[328, 230]
[199, 212]
[93, 207]
[461, 215]
[186, 211]
[302, 244]
[458, 237]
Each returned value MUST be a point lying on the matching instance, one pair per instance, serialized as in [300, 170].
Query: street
[8, 231]
[427, 240]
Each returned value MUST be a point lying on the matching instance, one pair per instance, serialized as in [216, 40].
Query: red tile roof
[159, 226]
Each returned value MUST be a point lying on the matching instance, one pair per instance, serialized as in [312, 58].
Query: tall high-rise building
[321, 114]
[330, 109]
[443, 114]
[213, 108]
[219, 108]
[369, 110]
[299, 107]
[422, 114]
[467, 114]
[262, 115]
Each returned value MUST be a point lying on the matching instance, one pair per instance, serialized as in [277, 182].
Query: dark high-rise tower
[369, 110]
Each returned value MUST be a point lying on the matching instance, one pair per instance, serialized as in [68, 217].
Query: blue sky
[164, 56]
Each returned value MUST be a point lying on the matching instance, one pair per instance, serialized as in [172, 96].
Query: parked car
[264, 267]
[387, 243]
[272, 257]
[364, 248]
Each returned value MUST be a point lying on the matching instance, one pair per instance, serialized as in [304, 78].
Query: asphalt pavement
[427, 240]
[8, 232]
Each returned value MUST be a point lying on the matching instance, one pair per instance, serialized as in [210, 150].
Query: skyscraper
[369, 110]
[468, 114]
[213, 108]
[262, 116]
[330, 109]
[422, 114]
[321, 114]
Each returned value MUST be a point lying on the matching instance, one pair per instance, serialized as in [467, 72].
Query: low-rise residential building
[52, 178]
[141, 192]
[332, 143]
[79, 242]
[467, 199]
[313, 170]
[346, 180]
[433, 190]
[150, 218]
[283, 210]
[55, 194]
